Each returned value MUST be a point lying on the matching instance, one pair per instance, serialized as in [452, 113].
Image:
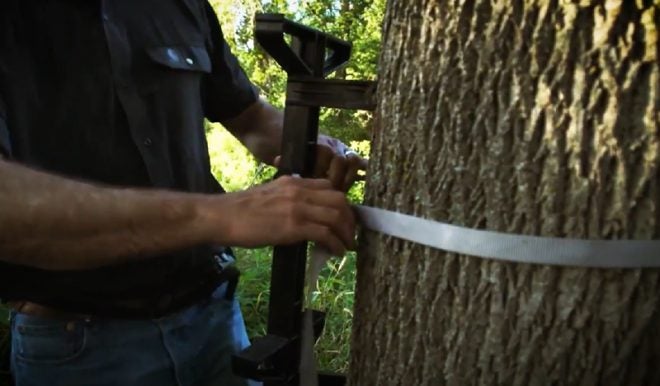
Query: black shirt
[115, 92]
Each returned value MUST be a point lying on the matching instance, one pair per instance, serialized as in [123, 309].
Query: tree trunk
[529, 117]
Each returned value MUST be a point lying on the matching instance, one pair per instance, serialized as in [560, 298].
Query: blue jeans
[189, 348]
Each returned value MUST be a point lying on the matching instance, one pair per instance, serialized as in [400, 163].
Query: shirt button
[147, 142]
[189, 61]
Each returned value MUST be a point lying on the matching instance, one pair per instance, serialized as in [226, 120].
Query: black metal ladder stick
[275, 358]
[289, 262]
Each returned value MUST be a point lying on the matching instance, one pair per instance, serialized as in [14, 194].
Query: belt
[39, 310]
[226, 272]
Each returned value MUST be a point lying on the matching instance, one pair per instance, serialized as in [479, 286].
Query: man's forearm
[56, 223]
[259, 128]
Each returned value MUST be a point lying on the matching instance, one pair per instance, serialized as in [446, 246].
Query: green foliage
[357, 21]
[231, 163]
[356, 194]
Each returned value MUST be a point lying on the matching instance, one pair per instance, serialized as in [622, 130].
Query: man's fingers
[324, 156]
[359, 162]
[325, 237]
[292, 209]
[330, 198]
[341, 169]
[316, 201]
[337, 171]
[350, 177]
[355, 164]
[306, 183]
[339, 220]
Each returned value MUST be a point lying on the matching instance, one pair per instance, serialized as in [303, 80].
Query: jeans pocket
[46, 341]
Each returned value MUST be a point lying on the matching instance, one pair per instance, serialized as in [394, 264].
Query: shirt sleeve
[5, 144]
[227, 90]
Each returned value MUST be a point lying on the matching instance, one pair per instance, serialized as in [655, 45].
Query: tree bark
[529, 117]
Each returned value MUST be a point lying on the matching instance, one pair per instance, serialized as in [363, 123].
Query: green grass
[334, 295]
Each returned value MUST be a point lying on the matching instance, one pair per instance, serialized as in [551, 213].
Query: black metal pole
[289, 262]
[310, 56]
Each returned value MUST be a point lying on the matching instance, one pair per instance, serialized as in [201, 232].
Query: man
[111, 239]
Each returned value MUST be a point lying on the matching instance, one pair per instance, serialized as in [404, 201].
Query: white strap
[484, 244]
[510, 247]
[307, 370]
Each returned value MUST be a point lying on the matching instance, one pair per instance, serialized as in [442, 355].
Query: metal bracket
[270, 29]
[311, 56]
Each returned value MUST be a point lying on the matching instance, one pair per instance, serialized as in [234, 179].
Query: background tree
[528, 117]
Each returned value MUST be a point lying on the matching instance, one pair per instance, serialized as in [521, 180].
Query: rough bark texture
[529, 117]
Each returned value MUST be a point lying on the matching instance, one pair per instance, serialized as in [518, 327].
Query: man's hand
[259, 128]
[285, 211]
[336, 163]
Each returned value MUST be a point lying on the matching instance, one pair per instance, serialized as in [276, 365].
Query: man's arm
[259, 128]
[231, 98]
[55, 223]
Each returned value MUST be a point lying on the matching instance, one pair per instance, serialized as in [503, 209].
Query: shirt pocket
[175, 68]
[45, 341]
[181, 58]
